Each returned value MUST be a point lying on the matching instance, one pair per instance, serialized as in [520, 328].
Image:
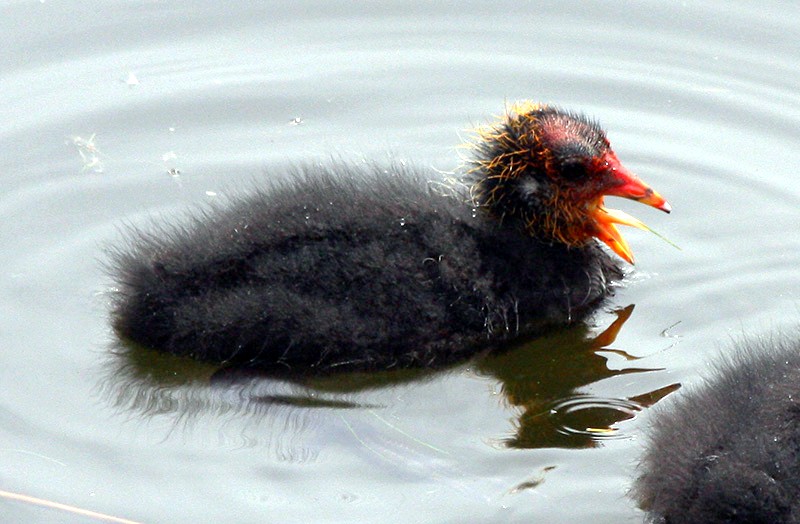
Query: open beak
[630, 186]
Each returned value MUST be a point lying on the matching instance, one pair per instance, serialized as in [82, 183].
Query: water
[120, 113]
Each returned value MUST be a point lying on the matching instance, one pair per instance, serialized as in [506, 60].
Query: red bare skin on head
[607, 164]
[562, 129]
[568, 161]
[628, 185]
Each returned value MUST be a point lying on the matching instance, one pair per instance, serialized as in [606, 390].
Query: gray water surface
[123, 113]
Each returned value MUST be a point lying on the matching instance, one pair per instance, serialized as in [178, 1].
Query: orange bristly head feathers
[549, 170]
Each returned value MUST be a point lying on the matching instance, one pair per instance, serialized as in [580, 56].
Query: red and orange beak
[630, 186]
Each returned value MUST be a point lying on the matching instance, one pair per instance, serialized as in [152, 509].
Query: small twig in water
[64, 507]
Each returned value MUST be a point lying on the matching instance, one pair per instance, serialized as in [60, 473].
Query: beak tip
[665, 207]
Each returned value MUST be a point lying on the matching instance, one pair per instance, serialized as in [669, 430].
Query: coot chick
[346, 267]
[730, 451]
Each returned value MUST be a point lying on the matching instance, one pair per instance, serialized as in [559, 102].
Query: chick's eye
[573, 170]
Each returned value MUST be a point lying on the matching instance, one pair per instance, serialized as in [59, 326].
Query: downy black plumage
[345, 267]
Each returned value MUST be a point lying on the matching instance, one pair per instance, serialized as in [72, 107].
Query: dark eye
[573, 170]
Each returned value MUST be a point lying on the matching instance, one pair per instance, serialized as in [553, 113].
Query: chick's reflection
[544, 378]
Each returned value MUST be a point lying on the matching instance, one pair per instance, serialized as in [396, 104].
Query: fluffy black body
[730, 451]
[355, 268]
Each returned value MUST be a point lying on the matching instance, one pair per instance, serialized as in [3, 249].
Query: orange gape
[550, 170]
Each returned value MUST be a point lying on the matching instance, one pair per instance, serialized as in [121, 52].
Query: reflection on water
[541, 378]
[704, 107]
